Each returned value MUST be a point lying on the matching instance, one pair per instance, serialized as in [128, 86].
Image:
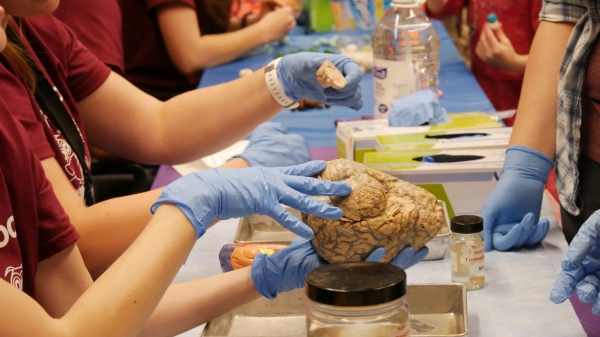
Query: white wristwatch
[275, 86]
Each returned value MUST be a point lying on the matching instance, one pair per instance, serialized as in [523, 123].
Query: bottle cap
[466, 224]
[492, 18]
[407, 3]
[354, 284]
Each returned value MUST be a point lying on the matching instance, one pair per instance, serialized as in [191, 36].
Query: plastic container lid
[492, 18]
[466, 224]
[407, 3]
[353, 284]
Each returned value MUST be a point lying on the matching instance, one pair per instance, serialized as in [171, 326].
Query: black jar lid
[466, 224]
[352, 284]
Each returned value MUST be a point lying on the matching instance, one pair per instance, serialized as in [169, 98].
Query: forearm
[188, 305]
[216, 49]
[108, 228]
[123, 298]
[519, 64]
[535, 125]
[213, 118]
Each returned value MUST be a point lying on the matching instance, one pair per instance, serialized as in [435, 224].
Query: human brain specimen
[382, 211]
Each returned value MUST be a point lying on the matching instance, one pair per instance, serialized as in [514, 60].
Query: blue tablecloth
[461, 91]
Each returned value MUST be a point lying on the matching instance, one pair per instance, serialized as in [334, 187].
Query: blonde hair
[18, 55]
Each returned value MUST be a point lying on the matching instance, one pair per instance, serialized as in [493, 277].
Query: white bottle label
[473, 256]
[391, 80]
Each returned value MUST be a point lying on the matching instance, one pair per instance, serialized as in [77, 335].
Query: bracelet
[245, 19]
[276, 88]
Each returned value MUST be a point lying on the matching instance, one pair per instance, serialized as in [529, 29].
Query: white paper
[213, 160]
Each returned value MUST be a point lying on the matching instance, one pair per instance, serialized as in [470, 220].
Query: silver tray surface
[263, 229]
[442, 306]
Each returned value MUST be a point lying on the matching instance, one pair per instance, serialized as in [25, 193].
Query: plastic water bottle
[406, 54]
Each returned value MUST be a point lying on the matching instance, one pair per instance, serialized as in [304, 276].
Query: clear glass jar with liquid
[357, 299]
[467, 254]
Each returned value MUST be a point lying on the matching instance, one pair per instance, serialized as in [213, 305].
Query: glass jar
[357, 299]
[467, 254]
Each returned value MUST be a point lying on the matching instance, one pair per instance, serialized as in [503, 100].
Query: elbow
[188, 64]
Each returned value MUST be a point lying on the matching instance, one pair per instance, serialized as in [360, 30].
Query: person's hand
[495, 49]
[208, 195]
[581, 266]
[511, 212]
[271, 145]
[268, 6]
[277, 24]
[286, 270]
[297, 73]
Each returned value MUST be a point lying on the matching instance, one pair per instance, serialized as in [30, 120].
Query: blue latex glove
[511, 212]
[270, 145]
[418, 108]
[581, 266]
[286, 270]
[206, 196]
[297, 73]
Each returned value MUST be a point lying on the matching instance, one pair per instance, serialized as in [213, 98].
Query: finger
[596, 306]
[403, 258]
[483, 42]
[358, 105]
[539, 234]
[309, 205]
[588, 288]
[377, 255]
[418, 256]
[503, 242]
[501, 36]
[565, 284]
[314, 63]
[488, 224]
[312, 186]
[529, 225]
[586, 238]
[298, 241]
[489, 37]
[309, 169]
[563, 288]
[352, 73]
[292, 223]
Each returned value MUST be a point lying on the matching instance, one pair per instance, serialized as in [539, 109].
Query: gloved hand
[421, 107]
[270, 145]
[205, 196]
[286, 270]
[297, 73]
[581, 266]
[511, 212]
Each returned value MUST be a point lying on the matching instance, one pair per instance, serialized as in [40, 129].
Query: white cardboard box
[476, 139]
[463, 185]
[354, 139]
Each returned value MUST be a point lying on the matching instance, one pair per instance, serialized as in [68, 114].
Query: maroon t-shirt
[33, 224]
[590, 107]
[147, 62]
[97, 25]
[73, 71]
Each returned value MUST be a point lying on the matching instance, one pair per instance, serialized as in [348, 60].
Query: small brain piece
[382, 211]
[329, 76]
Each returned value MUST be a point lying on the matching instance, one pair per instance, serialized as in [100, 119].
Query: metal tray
[262, 229]
[442, 306]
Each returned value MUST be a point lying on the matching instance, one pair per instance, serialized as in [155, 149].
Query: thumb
[488, 225]
[501, 36]
[313, 63]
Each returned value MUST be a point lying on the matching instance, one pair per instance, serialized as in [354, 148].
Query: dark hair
[215, 16]
[18, 55]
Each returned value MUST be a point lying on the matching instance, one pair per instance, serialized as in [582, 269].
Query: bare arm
[62, 279]
[109, 227]
[185, 128]
[535, 126]
[191, 51]
[436, 6]
[121, 300]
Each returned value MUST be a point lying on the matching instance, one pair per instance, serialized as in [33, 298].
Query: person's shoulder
[49, 29]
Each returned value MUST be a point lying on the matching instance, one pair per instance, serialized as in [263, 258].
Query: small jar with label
[467, 256]
[357, 299]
